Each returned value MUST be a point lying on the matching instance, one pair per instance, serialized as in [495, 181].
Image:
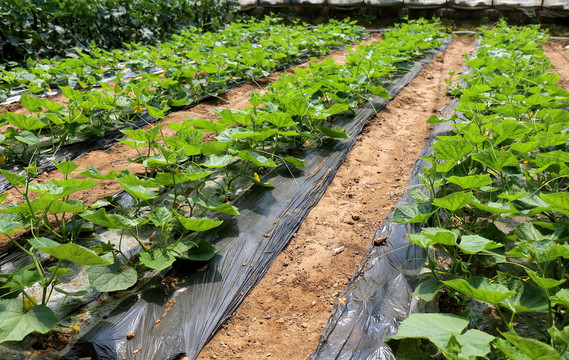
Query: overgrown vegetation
[32, 29]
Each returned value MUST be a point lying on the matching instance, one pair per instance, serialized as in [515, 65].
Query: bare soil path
[557, 52]
[285, 314]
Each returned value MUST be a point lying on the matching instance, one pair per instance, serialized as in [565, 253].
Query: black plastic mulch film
[247, 245]
[378, 297]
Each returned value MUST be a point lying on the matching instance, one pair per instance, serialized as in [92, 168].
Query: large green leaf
[471, 182]
[559, 201]
[198, 250]
[445, 331]
[160, 259]
[543, 282]
[16, 323]
[255, 158]
[528, 297]
[413, 213]
[454, 201]
[218, 161]
[111, 277]
[72, 252]
[472, 244]
[198, 223]
[496, 160]
[427, 289]
[452, 148]
[481, 288]
[534, 348]
[334, 133]
[220, 207]
[561, 298]
[112, 221]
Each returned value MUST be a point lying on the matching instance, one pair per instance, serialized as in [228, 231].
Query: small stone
[380, 241]
[355, 217]
[130, 335]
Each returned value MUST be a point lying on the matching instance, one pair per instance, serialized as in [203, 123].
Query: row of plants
[496, 212]
[193, 66]
[187, 182]
[33, 28]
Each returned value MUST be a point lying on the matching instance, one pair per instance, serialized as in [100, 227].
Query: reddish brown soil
[557, 52]
[285, 314]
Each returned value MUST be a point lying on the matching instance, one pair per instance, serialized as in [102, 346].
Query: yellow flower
[525, 162]
[492, 280]
[530, 113]
[47, 89]
[2, 160]
[526, 279]
[146, 247]
[486, 133]
[76, 329]
[123, 267]
[257, 177]
[502, 149]
[138, 108]
[124, 68]
[28, 304]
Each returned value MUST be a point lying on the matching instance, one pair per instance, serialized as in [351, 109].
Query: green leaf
[159, 260]
[528, 297]
[16, 323]
[454, 201]
[13, 178]
[379, 91]
[440, 236]
[28, 137]
[559, 337]
[294, 162]
[543, 282]
[112, 221]
[20, 280]
[561, 298]
[438, 328]
[112, 277]
[66, 167]
[31, 103]
[481, 288]
[413, 213]
[92, 172]
[472, 244]
[160, 216]
[334, 133]
[496, 160]
[418, 195]
[137, 191]
[199, 250]
[218, 161]
[220, 207]
[198, 223]
[427, 289]
[155, 112]
[71, 293]
[559, 201]
[452, 148]
[255, 158]
[507, 349]
[471, 182]
[535, 349]
[495, 207]
[73, 252]
[11, 223]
